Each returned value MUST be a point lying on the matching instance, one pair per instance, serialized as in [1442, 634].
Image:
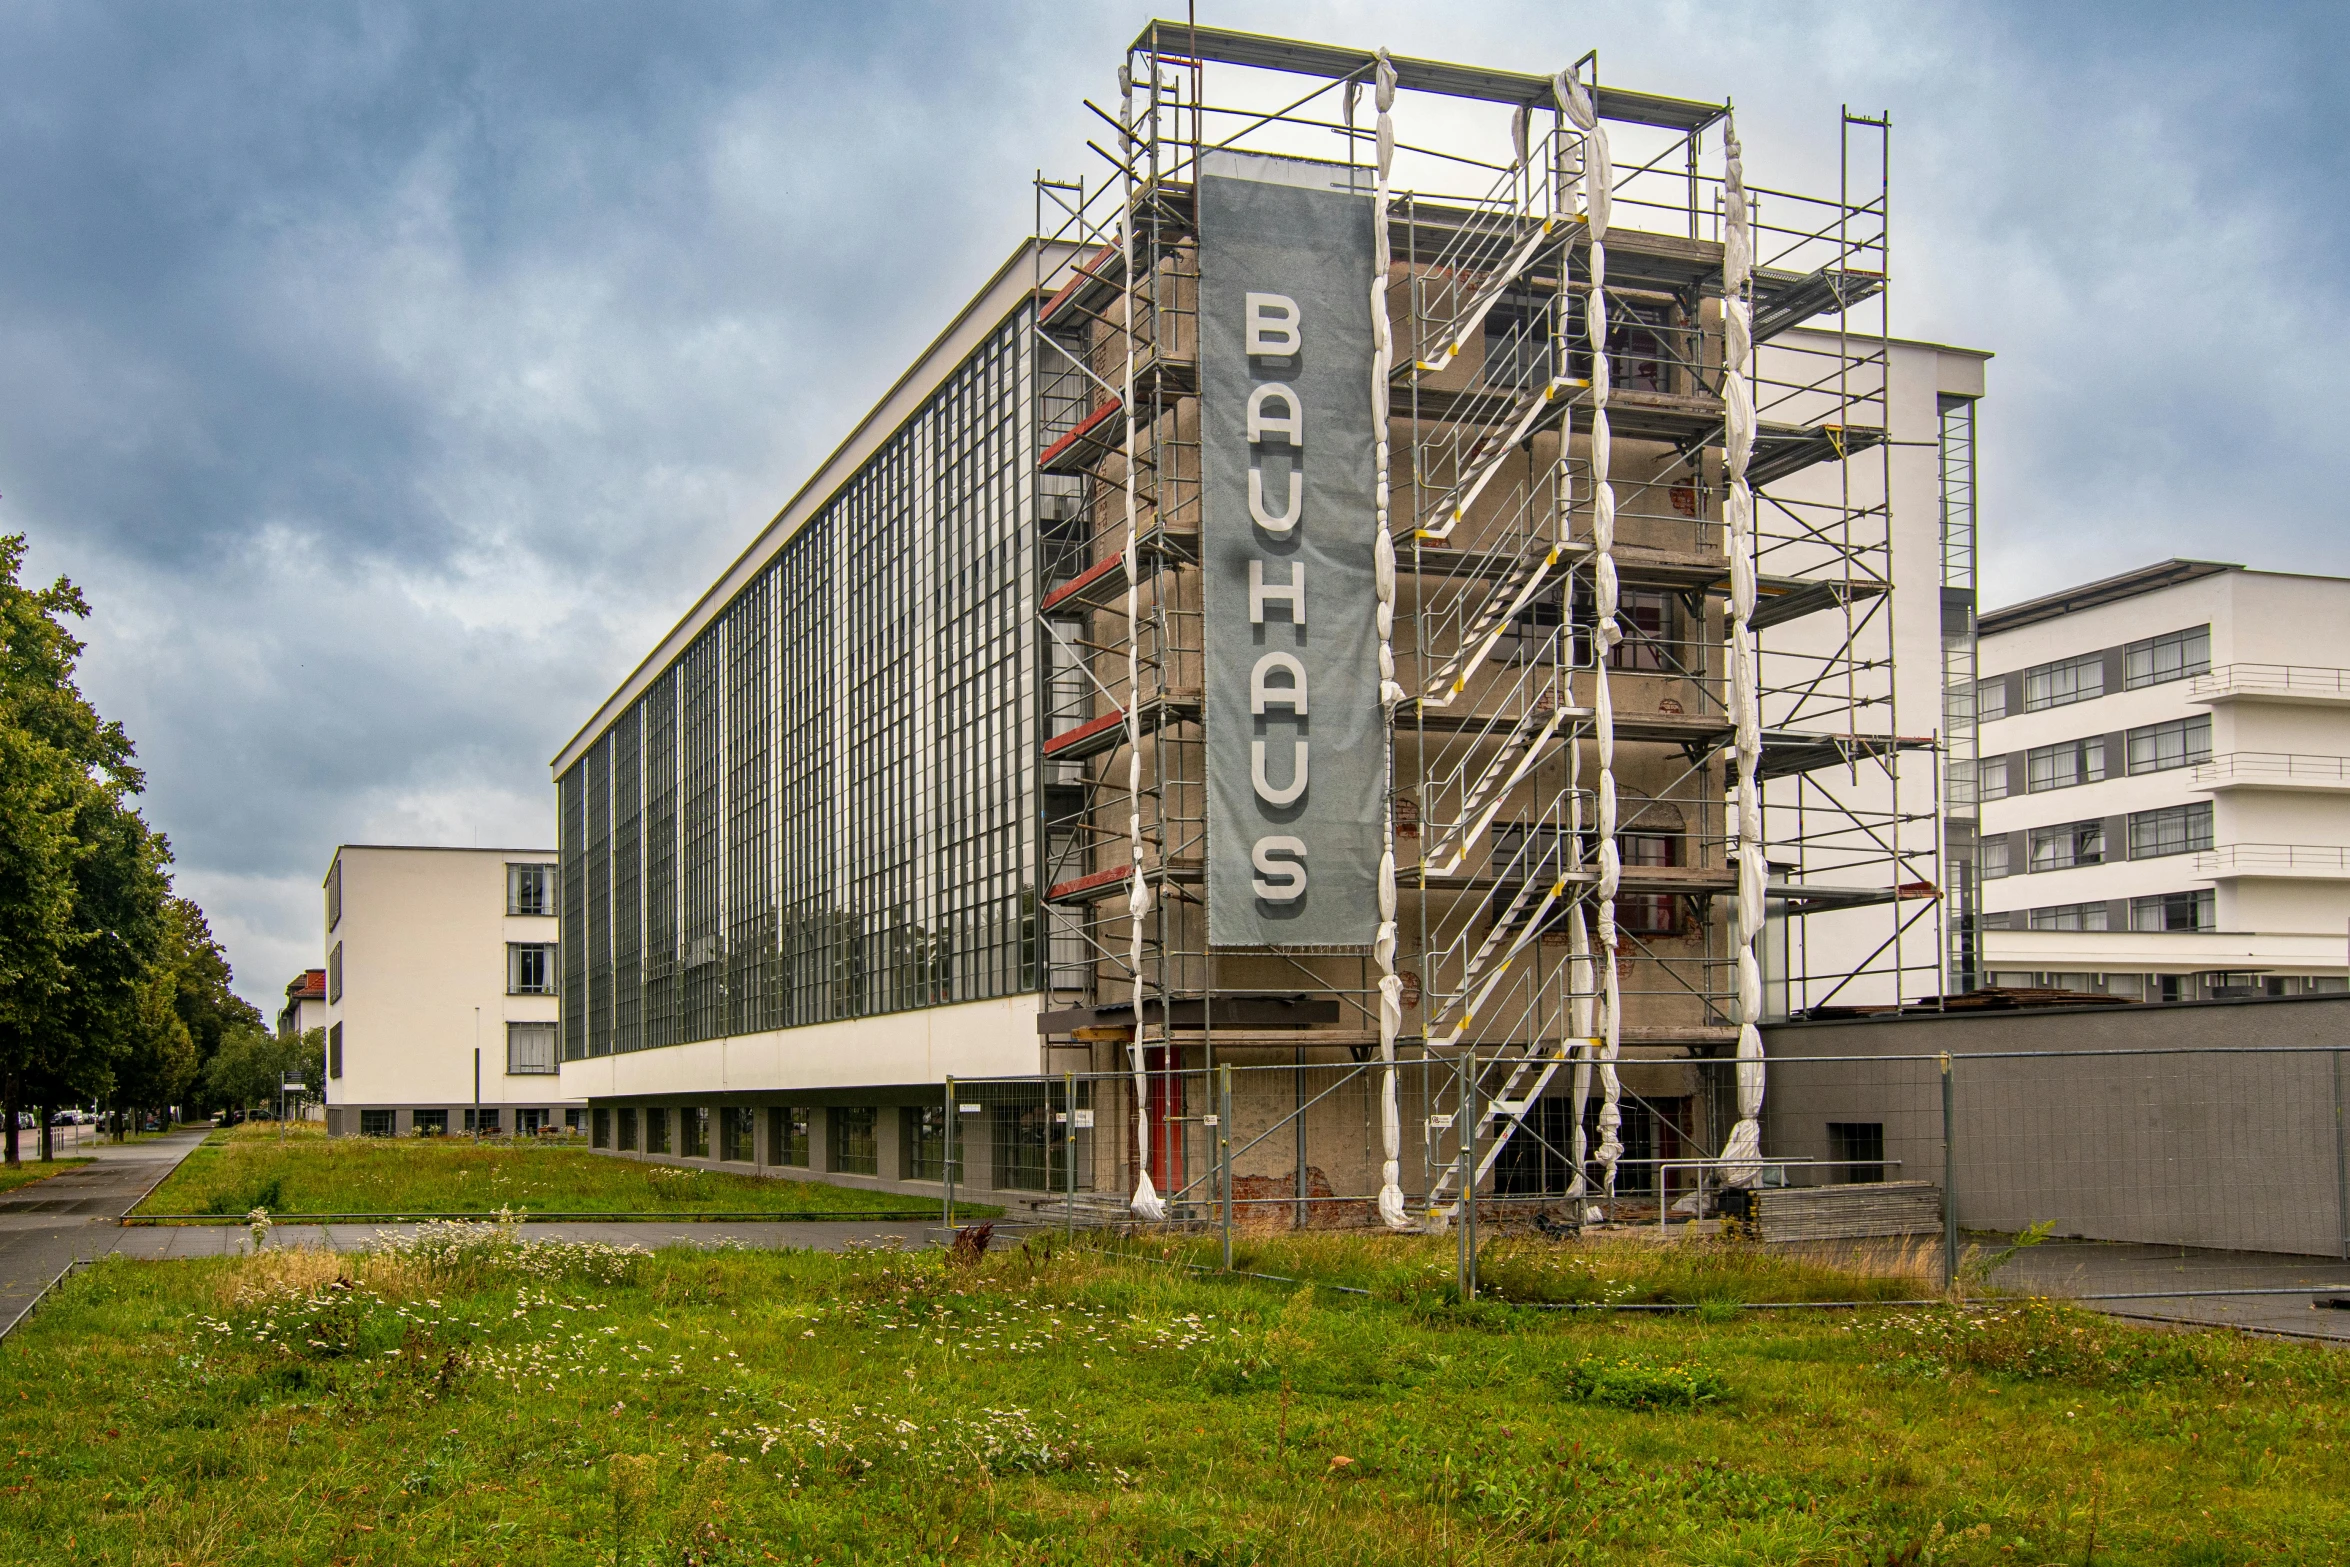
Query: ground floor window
[1027, 1155]
[694, 1129]
[599, 1129]
[855, 1149]
[430, 1123]
[924, 1138]
[1856, 1151]
[656, 1130]
[574, 1121]
[484, 1120]
[737, 1131]
[628, 1130]
[529, 1123]
[787, 1135]
[375, 1123]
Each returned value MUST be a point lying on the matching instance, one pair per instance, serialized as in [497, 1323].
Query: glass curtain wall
[824, 808]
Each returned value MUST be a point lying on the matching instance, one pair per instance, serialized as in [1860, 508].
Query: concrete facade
[429, 958]
[305, 1007]
[2166, 784]
[2231, 1137]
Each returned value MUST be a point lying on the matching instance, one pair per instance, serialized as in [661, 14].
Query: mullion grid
[749, 904]
[627, 880]
[571, 822]
[700, 822]
[806, 806]
[880, 680]
[659, 705]
[599, 894]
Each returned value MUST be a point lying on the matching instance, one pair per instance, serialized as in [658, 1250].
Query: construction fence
[2228, 1161]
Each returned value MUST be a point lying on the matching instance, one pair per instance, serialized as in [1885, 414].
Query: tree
[252, 1064]
[206, 1006]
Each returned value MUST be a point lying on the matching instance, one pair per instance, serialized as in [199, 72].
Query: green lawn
[463, 1399]
[303, 1172]
[34, 1170]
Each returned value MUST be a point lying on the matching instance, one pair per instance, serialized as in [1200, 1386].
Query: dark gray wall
[2231, 1145]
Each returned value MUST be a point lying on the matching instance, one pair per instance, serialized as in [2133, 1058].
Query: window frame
[2081, 833]
[550, 1032]
[2187, 731]
[790, 1129]
[2084, 763]
[2089, 664]
[520, 873]
[2196, 838]
[2191, 645]
[515, 963]
[2201, 905]
[854, 1146]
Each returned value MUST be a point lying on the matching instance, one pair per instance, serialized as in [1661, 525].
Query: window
[375, 1123]
[2157, 748]
[429, 1123]
[1648, 913]
[334, 1051]
[2174, 911]
[334, 898]
[2064, 682]
[1857, 1149]
[737, 1130]
[334, 973]
[2064, 765]
[530, 968]
[628, 1131]
[1518, 340]
[854, 1151]
[2175, 829]
[530, 1050]
[2067, 845]
[1991, 778]
[530, 889]
[656, 1130]
[787, 1135]
[600, 1129]
[924, 1130]
[575, 1121]
[1991, 699]
[693, 1129]
[483, 1120]
[1027, 1155]
[2070, 916]
[2172, 656]
[1991, 855]
[1645, 616]
[529, 1123]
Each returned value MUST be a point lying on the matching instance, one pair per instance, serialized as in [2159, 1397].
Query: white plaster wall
[970, 1040]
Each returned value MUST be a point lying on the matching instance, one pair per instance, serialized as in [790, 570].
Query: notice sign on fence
[1297, 746]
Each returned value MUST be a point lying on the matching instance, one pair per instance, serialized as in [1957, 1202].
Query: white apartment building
[2165, 782]
[440, 992]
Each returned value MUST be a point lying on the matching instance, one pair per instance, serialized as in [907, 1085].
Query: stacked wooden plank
[1836, 1213]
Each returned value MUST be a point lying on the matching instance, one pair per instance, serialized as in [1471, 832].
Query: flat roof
[2106, 590]
[1225, 46]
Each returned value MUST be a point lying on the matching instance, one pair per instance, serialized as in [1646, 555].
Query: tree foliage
[110, 988]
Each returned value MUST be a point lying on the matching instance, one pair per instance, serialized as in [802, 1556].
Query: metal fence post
[1949, 1176]
[946, 1172]
[1466, 1138]
[1224, 1150]
[1069, 1149]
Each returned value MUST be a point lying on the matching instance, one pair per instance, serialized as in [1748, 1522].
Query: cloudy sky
[391, 376]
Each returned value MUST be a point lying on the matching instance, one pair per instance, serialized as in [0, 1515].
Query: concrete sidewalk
[72, 1216]
[220, 1240]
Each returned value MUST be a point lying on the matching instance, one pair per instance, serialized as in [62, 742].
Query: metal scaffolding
[1501, 643]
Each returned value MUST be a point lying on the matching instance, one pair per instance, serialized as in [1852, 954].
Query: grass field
[34, 1170]
[252, 1166]
[463, 1399]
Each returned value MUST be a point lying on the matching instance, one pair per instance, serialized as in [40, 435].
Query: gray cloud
[392, 376]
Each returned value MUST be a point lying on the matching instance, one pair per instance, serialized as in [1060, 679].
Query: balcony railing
[2281, 769]
[2274, 859]
[2277, 682]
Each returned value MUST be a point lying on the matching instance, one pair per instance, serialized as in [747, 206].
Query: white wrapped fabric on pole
[1146, 1202]
[1383, 944]
[1742, 1153]
[1598, 169]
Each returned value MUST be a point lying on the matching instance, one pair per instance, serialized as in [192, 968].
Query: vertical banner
[1297, 745]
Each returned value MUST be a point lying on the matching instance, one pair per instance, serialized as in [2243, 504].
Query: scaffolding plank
[1096, 435]
[1785, 599]
[1783, 306]
[1227, 46]
[1108, 731]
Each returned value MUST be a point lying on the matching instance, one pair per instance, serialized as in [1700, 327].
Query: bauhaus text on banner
[1297, 748]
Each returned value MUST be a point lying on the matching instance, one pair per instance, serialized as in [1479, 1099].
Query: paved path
[2115, 1268]
[50, 1224]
